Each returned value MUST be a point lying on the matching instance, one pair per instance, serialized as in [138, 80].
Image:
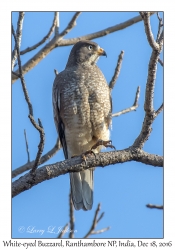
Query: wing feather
[56, 96]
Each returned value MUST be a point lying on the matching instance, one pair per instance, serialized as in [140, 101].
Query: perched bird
[82, 113]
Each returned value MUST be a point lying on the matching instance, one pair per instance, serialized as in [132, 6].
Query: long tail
[82, 189]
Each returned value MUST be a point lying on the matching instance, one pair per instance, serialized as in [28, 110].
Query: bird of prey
[82, 113]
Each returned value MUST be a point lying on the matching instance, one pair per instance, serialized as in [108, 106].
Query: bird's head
[85, 52]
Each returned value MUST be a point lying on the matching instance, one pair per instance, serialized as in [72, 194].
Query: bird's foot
[106, 144]
[87, 153]
[84, 155]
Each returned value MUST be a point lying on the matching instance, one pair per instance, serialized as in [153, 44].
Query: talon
[103, 143]
[92, 152]
[84, 158]
[109, 144]
[86, 153]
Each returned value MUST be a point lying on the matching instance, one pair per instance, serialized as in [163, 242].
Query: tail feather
[76, 190]
[82, 189]
[87, 187]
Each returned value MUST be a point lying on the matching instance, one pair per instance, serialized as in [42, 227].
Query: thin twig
[59, 41]
[159, 27]
[71, 215]
[137, 96]
[95, 222]
[157, 112]
[100, 217]
[18, 36]
[100, 231]
[154, 206]
[117, 71]
[124, 111]
[44, 38]
[160, 40]
[43, 159]
[71, 24]
[132, 108]
[38, 127]
[21, 76]
[57, 26]
[40, 146]
[63, 231]
[27, 147]
[160, 19]
[161, 62]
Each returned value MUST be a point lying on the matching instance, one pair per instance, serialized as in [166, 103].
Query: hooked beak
[101, 52]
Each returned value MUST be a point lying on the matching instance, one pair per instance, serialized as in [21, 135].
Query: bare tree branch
[27, 147]
[71, 215]
[159, 110]
[149, 159]
[154, 206]
[57, 26]
[43, 159]
[18, 36]
[38, 127]
[63, 231]
[104, 32]
[71, 24]
[21, 76]
[160, 40]
[160, 19]
[159, 27]
[150, 113]
[44, 38]
[31, 63]
[100, 217]
[95, 222]
[146, 18]
[76, 165]
[132, 108]
[100, 231]
[124, 111]
[117, 71]
[47, 48]
[161, 62]
[15, 74]
[40, 146]
[137, 96]
[59, 41]
[152, 70]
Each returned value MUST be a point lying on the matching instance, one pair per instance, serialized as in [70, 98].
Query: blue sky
[123, 189]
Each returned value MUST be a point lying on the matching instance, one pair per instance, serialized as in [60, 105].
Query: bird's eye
[90, 47]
